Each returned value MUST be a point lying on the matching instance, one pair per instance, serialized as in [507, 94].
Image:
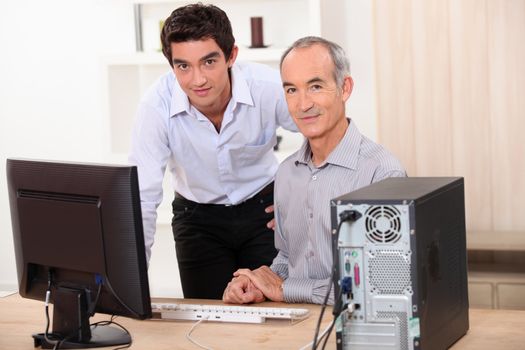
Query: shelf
[496, 240]
[506, 271]
[280, 28]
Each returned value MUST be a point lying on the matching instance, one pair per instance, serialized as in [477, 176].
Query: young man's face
[202, 72]
[314, 100]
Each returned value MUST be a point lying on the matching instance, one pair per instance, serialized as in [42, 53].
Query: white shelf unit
[283, 20]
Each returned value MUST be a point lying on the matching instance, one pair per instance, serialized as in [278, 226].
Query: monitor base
[101, 336]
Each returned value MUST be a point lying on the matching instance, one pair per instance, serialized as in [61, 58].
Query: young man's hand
[271, 223]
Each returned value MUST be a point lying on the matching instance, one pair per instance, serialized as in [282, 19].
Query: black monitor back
[79, 226]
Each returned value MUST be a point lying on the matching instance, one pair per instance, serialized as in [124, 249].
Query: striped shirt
[302, 209]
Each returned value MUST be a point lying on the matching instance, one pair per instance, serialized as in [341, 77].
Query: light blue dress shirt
[226, 167]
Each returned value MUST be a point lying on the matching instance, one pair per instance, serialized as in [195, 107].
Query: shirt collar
[179, 100]
[345, 154]
[241, 93]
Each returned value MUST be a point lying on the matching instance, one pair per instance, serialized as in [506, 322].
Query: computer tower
[400, 264]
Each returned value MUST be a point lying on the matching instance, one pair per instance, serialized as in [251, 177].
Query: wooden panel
[506, 289]
[505, 241]
[510, 296]
[432, 103]
[451, 99]
[480, 295]
[470, 108]
[506, 68]
[393, 47]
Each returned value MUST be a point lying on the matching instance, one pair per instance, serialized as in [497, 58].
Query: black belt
[268, 189]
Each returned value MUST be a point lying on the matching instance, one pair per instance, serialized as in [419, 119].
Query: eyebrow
[213, 54]
[311, 81]
[315, 80]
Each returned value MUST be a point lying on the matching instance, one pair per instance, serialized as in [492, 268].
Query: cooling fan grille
[383, 224]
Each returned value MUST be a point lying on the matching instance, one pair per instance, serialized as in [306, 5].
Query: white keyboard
[225, 313]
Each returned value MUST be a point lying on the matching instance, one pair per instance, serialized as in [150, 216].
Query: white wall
[50, 86]
[349, 24]
[51, 94]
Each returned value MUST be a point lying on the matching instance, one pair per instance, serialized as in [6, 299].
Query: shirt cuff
[299, 290]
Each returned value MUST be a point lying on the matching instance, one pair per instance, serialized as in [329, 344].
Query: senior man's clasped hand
[254, 286]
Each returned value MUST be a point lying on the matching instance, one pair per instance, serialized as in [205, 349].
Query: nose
[199, 78]
[305, 102]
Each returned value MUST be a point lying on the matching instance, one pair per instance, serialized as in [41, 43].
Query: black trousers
[212, 241]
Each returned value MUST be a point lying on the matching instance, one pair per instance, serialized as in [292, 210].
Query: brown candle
[257, 31]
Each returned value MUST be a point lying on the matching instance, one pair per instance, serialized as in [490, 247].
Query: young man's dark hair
[197, 22]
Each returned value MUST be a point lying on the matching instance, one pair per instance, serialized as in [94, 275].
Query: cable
[188, 336]
[314, 343]
[327, 335]
[91, 311]
[346, 215]
[330, 330]
[327, 331]
[96, 324]
[111, 322]
[133, 312]
[47, 335]
[322, 335]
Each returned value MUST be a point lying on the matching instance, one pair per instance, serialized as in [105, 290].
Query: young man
[212, 122]
[334, 160]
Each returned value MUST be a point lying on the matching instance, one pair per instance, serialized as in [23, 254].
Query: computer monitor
[78, 238]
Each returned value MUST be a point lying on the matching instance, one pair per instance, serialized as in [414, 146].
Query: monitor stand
[71, 321]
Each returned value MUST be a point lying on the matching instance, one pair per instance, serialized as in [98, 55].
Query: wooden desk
[19, 318]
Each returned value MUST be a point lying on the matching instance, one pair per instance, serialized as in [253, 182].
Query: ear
[233, 56]
[348, 86]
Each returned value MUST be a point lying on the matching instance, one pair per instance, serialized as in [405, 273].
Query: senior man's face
[315, 102]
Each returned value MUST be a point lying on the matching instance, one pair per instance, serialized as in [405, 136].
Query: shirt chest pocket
[254, 152]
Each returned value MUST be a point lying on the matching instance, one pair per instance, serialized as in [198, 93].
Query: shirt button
[314, 177]
[311, 215]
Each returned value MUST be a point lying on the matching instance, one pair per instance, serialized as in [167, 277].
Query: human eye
[210, 62]
[290, 90]
[182, 66]
[315, 87]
